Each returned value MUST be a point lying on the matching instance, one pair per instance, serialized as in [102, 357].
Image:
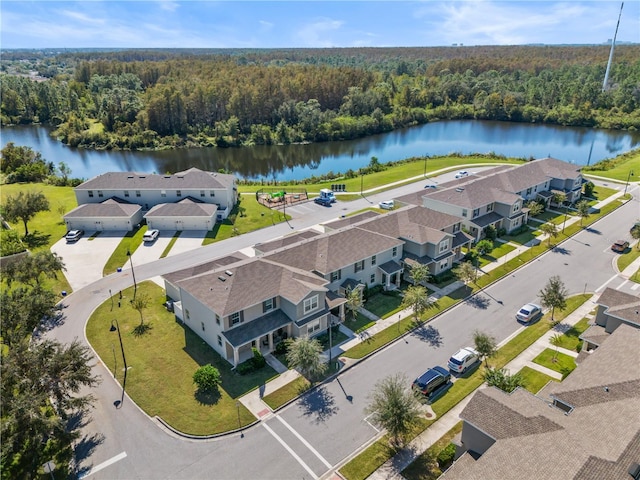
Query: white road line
[105, 464]
[366, 419]
[635, 286]
[306, 444]
[288, 448]
[605, 283]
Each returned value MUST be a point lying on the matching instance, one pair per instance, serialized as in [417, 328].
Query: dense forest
[137, 99]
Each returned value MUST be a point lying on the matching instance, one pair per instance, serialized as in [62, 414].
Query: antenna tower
[613, 44]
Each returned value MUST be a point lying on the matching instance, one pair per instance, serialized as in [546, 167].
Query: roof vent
[180, 176]
[222, 279]
[228, 272]
[634, 471]
[167, 176]
[459, 189]
[143, 176]
[606, 389]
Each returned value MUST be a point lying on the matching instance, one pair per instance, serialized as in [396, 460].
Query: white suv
[150, 235]
[463, 359]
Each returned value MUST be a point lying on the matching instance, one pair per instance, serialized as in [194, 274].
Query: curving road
[313, 435]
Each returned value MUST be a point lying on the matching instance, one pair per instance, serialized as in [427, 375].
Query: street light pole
[425, 167]
[133, 273]
[627, 184]
[361, 181]
[330, 340]
[566, 208]
[239, 425]
[124, 359]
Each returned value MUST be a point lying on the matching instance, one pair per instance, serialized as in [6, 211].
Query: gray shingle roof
[187, 207]
[112, 207]
[205, 267]
[254, 329]
[334, 250]
[621, 305]
[285, 241]
[191, 178]
[351, 220]
[252, 282]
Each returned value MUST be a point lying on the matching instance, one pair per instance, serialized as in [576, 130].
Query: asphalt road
[315, 433]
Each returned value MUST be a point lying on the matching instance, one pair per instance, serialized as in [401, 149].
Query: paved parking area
[86, 258]
[188, 240]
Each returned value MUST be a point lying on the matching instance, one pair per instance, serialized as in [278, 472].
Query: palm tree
[416, 298]
[551, 229]
[354, 301]
[583, 210]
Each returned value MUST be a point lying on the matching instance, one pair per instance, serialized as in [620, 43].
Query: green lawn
[534, 380]
[627, 259]
[425, 467]
[358, 325]
[172, 242]
[129, 243]
[162, 362]
[635, 277]
[501, 250]
[556, 361]
[570, 340]
[384, 304]
[623, 164]
[287, 392]
[521, 238]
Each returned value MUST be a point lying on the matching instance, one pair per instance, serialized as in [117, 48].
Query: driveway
[85, 258]
[187, 241]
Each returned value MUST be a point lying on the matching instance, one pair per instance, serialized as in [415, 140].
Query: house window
[178, 193]
[528, 191]
[372, 279]
[313, 327]
[212, 193]
[186, 312]
[337, 275]
[100, 193]
[268, 305]
[394, 252]
[217, 319]
[359, 266]
[464, 212]
[456, 228]
[490, 208]
[163, 193]
[516, 207]
[126, 194]
[202, 325]
[219, 340]
[535, 189]
[310, 304]
[234, 318]
[374, 259]
[137, 193]
[444, 264]
[444, 246]
[476, 212]
[202, 193]
[90, 193]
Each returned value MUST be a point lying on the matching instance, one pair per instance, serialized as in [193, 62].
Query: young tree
[484, 246]
[65, 172]
[502, 379]
[635, 234]
[465, 272]
[485, 345]
[24, 206]
[207, 378]
[583, 210]
[588, 189]
[551, 229]
[559, 198]
[140, 303]
[393, 406]
[419, 273]
[535, 208]
[556, 341]
[554, 295]
[30, 268]
[354, 301]
[305, 354]
[416, 298]
[490, 232]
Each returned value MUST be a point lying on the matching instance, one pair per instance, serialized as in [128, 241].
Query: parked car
[431, 185]
[619, 246]
[324, 201]
[463, 359]
[74, 235]
[431, 381]
[462, 173]
[528, 313]
[150, 235]
[387, 205]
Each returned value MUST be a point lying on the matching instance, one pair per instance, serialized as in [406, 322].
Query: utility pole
[613, 44]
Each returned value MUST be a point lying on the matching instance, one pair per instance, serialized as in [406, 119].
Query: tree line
[139, 99]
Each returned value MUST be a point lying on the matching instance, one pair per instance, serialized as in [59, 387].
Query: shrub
[371, 291]
[490, 232]
[282, 347]
[502, 232]
[445, 457]
[207, 378]
[258, 359]
[245, 367]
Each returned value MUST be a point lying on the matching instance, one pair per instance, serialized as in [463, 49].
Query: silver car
[528, 313]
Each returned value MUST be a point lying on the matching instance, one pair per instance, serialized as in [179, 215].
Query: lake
[582, 146]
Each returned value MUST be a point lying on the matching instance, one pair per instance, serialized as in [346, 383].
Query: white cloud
[316, 34]
[169, 6]
[81, 17]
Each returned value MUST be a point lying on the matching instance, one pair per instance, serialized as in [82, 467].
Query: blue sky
[301, 24]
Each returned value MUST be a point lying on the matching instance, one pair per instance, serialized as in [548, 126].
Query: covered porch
[391, 272]
[479, 224]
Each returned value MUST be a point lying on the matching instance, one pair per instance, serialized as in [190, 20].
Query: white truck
[327, 195]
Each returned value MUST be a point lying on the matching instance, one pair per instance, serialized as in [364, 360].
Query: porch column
[341, 311]
[270, 341]
[236, 357]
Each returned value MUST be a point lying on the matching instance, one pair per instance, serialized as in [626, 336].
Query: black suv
[431, 381]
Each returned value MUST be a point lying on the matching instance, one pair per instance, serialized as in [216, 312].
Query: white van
[325, 193]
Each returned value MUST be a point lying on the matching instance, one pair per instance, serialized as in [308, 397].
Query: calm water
[293, 162]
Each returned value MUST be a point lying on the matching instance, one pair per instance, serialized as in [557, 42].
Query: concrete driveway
[188, 240]
[85, 258]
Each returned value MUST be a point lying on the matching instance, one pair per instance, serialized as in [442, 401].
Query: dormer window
[444, 246]
[310, 304]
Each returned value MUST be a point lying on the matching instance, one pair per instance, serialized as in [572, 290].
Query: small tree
[354, 301]
[485, 345]
[207, 378]
[551, 229]
[140, 303]
[305, 354]
[415, 297]
[502, 379]
[419, 273]
[465, 272]
[484, 246]
[393, 406]
[583, 210]
[30, 268]
[559, 198]
[490, 232]
[554, 295]
[535, 208]
[556, 341]
[588, 189]
[635, 234]
[24, 206]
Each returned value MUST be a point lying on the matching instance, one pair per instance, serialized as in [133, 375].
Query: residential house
[112, 214]
[587, 427]
[151, 190]
[615, 308]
